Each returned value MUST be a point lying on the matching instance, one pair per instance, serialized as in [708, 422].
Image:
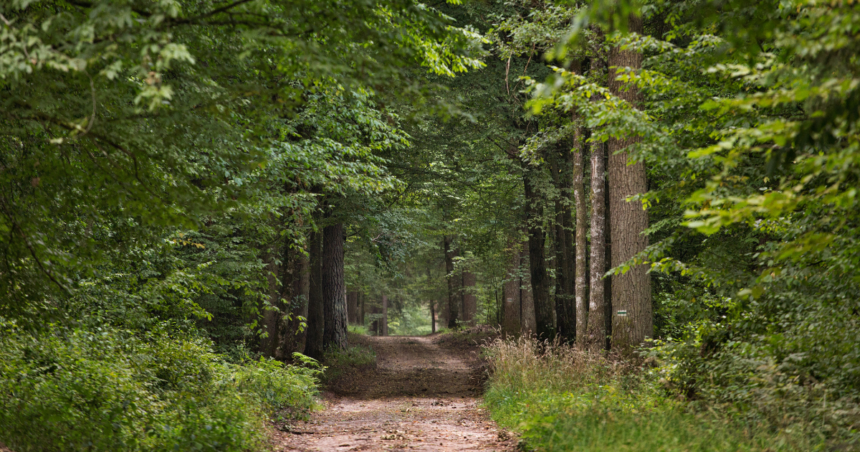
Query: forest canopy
[199, 199]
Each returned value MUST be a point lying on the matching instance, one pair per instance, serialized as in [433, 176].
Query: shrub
[108, 389]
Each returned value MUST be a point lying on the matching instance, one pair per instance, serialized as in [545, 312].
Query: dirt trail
[422, 396]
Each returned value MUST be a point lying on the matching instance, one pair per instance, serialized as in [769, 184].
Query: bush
[108, 389]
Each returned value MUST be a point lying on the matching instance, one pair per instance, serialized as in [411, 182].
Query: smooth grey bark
[581, 286]
[595, 339]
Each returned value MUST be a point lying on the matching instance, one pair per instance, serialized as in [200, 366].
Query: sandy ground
[422, 396]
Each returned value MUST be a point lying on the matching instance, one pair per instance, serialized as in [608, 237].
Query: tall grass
[563, 399]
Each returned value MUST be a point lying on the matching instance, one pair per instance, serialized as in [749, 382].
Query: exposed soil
[422, 396]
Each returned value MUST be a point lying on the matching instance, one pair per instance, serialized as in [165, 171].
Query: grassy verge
[561, 399]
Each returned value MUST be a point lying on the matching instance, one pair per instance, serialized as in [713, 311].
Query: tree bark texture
[564, 309]
[511, 320]
[271, 309]
[352, 307]
[596, 331]
[543, 308]
[454, 298]
[632, 318]
[316, 311]
[581, 289]
[334, 288]
[295, 288]
[527, 301]
[470, 299]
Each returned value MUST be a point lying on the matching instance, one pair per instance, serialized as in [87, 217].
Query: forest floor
[422, 395]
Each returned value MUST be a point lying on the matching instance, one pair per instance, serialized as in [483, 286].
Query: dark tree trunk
[632, 321]
[271, 309]
[352, 307]
[454, 299]
[295, 287]
[543, 308]
[334, 288]
[596, 330]
[361, 311]
[511, 320]
[470, 299]
[316, 312]
[564, 310]
[432, 316]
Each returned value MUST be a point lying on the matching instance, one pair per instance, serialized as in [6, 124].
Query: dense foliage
[167, 170]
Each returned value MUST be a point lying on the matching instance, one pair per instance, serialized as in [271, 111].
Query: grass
[338, 362]
[358, 329]
[561, 399]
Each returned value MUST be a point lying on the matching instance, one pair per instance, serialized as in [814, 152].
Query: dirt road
[422, 396]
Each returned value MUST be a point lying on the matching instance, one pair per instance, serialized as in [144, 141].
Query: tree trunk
[511, 320]
[383, 323]
[316, 311]
[334, 288]
[352, 307]
[294, 288]
[564, 271]
[632, 321]
[581, 289]
[271, 309]
[596, 329]
[527, 301]
[543, 308]
[470, 299]
[454, 299]
[432, 316]
[361, 311]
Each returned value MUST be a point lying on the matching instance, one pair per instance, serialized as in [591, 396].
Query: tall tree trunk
[632, 321]
[383, 330]
[596, 329]
[316, 311]
[511, 320]
[470, 300]
[362, 297]
[564, 246]
[432, 316]
[334, 288]
[527, 300]
[352, 307]
[543, 308]
[581, 289]
[271, 309]
[294, 289]
[454, 299]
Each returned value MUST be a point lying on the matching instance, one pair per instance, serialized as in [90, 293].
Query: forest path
[422, 396]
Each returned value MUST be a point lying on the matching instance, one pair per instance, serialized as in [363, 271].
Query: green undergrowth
[106, 389]
[358, 329]
[561, 399]
[340, 362]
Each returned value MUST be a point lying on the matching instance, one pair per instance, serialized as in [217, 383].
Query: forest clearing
[491, 225]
